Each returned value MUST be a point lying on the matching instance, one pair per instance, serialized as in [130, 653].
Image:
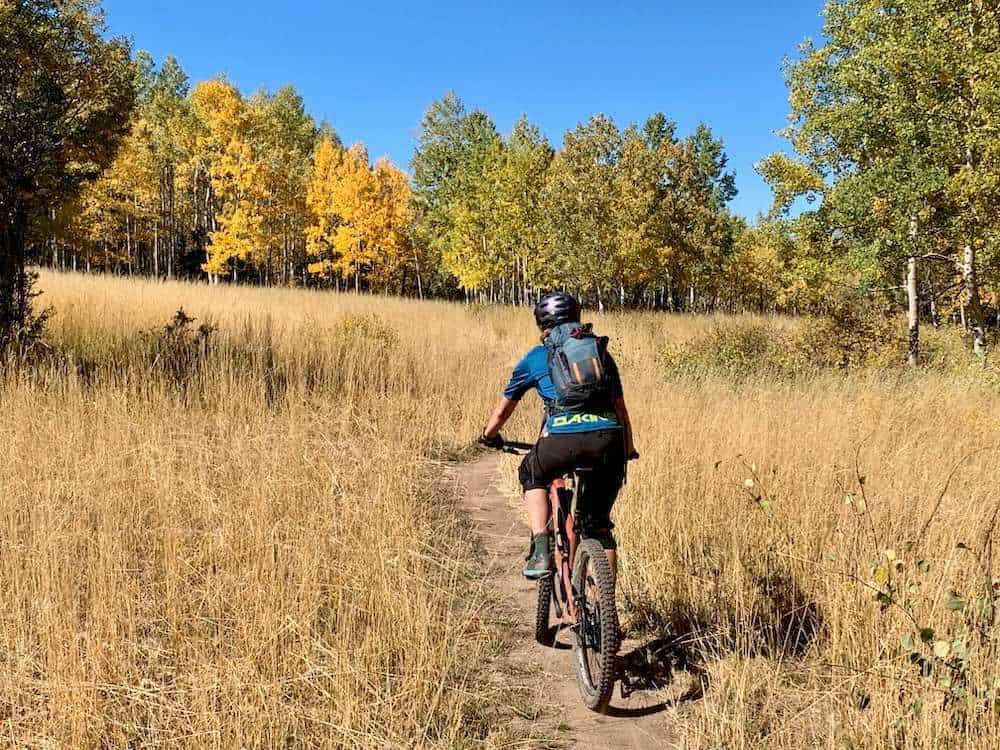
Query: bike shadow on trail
[785, 625]
[552, 640]
[649, 668]
[653, 667]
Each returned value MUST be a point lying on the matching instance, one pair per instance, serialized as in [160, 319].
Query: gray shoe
[539, 559]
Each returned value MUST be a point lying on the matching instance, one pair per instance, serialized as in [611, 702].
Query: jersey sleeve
[616, 381]
[521, 381]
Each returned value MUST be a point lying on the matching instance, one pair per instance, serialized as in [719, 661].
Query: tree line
[210, 184]
[113, 164]
[204, 182]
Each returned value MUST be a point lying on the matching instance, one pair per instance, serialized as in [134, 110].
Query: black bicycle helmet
[556, 308]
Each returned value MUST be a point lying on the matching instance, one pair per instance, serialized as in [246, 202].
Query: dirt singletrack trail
[641, 721]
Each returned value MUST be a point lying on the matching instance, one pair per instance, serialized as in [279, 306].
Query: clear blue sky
[372, 68]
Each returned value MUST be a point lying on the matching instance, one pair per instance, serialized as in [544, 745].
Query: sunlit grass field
[248, 536]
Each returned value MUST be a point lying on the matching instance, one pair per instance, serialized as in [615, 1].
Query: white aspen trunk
[171, 223]
[138, 243]
[416, 264]
[515, 283]
[526, 285]
[912, 316]
[128, 245]
[53, 243]
[284, 253]
[913, 301]
[210, 216]
[970, 284]
[932, 291]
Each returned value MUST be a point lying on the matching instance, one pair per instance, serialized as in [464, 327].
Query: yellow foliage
[237, 177]
[360, 215]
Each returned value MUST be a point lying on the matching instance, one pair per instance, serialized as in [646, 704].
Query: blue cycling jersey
[533, 372]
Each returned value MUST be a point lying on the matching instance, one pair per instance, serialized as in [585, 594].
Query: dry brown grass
[252, 548]
[777, 598]
[259, 550]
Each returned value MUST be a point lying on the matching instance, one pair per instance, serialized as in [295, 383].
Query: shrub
[735, 351]
[854, 334]
[366, 329]
[178, 349]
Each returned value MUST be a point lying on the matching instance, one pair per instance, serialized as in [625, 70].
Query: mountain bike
[580, 590]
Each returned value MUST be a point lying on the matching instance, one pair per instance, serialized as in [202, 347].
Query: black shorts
[603, 451]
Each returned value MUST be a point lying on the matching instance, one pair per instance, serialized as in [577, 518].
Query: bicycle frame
[562, 519]
[562, 507]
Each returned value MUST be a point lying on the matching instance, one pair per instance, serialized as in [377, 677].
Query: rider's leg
[535, 478]
[536, 501]
[598, 493]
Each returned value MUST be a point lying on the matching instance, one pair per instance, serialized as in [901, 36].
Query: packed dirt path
[546, 673]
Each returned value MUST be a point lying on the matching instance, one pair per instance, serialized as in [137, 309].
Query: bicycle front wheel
[597, 632]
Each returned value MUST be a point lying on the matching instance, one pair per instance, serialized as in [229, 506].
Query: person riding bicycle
[596, 435]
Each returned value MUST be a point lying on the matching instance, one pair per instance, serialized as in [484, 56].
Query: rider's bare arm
[499, 417]
[621, 411]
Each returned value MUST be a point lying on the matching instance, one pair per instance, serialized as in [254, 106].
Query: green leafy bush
[737, 351]
[853, 336]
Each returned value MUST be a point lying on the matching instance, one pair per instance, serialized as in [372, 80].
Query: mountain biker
[598, 437]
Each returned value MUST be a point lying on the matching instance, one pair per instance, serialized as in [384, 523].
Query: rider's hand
[495, 442]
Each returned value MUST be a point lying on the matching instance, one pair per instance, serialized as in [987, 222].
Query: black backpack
[578, 367]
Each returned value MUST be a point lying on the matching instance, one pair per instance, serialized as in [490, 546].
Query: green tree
[514, 181]
[284, 136]
[703, 190]
[449, 169]
[580, 207]
[168, 113]
[891, 118]
[637, 210]
[66, 97]
[471, 251]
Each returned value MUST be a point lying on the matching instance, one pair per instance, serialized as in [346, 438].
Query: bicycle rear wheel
[597, 632]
